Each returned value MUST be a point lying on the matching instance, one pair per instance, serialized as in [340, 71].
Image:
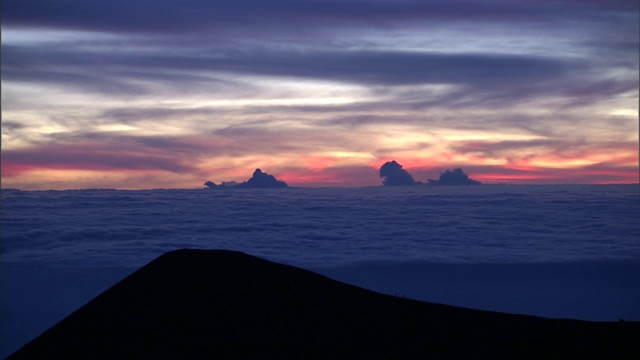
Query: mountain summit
[195, 304]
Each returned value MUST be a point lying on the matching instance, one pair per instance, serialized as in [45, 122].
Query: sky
[142, 94]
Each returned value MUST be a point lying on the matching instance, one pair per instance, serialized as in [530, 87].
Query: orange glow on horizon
[318, 163]
[310, 178]
[311, 170]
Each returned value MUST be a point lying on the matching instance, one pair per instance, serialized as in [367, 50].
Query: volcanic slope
[214, 303]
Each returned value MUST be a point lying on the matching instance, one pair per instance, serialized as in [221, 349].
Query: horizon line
[327, 187]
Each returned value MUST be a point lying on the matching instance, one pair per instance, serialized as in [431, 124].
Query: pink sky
[317, 94]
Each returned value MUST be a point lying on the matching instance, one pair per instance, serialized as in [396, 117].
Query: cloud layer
[320, 92]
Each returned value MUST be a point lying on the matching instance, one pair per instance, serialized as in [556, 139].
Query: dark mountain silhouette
[395, 175]
[259, 180]
[194, 304]
[454, 177]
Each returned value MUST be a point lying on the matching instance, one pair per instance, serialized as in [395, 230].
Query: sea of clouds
[314, 227]
[554, 250]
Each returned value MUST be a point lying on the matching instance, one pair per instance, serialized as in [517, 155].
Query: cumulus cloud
[259, 180]
[395, 175]
[454, 177]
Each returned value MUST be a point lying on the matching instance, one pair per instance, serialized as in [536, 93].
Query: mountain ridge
[207, 303]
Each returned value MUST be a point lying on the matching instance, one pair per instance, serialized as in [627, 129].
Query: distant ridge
[200, 304]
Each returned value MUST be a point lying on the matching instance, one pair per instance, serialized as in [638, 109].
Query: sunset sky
[171, 93]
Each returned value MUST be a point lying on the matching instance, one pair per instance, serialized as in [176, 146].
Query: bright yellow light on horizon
[625, 112]
[556, 163]
[348, 154]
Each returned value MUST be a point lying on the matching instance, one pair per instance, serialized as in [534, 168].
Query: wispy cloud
[321, 92]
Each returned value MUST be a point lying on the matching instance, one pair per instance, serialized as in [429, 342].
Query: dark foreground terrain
[224, 304]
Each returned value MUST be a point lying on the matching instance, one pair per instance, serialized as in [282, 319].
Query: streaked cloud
[318, 92]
